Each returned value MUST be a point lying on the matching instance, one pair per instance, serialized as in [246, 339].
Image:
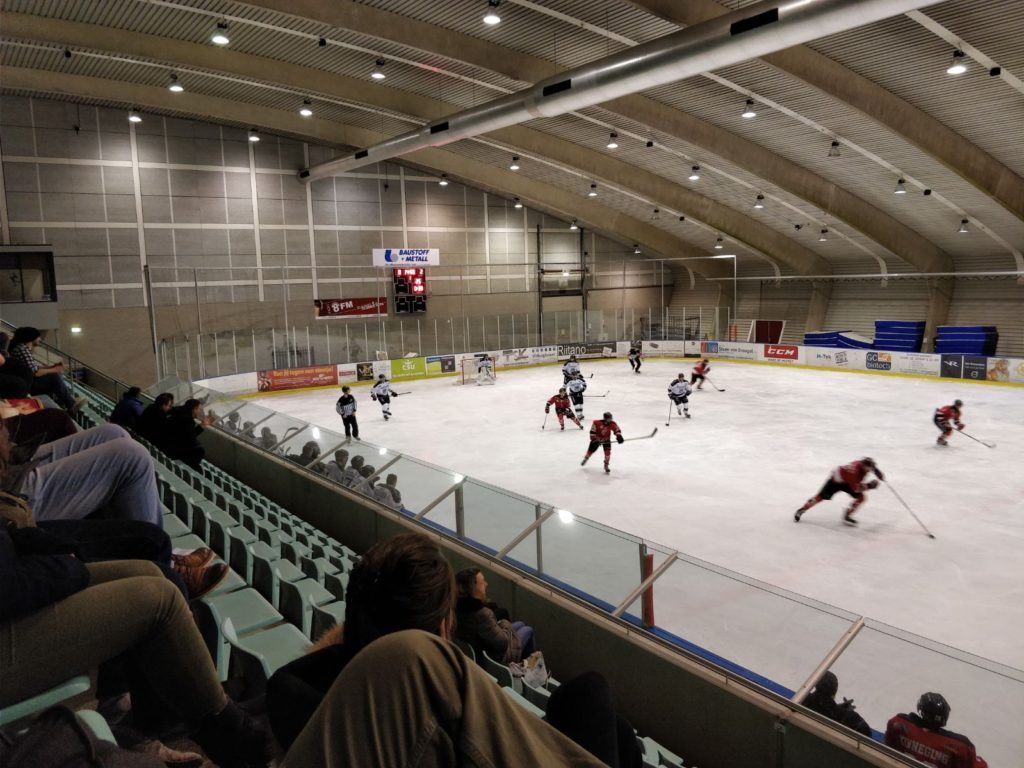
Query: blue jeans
[97, 468]
[525, 633]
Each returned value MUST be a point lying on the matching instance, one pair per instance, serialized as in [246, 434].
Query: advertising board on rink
[779, 353]
[587, 349]
[919, 363]
[656, 348]
[277, 379]
[526, 356]
[737, 350]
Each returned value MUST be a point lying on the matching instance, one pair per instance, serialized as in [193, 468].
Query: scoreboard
[410, 287]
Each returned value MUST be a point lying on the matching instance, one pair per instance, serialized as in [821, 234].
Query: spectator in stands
[128, 410]
[352, 475]
[60, 617]
[924, 737]
[152, 422]
[13, 384]
[34, 429]
[184, 424]
[388, 494]
[43, 380]
[478, 625]
[822, 699]
[73, 477]
[336, 469]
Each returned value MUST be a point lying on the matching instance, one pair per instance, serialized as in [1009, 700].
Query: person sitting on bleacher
[60, 617]
[43, 380]
[352, 475]
[152, 422]
[181, 432]
[39, 427]
[479, 623]
[128, 410]
[13, 382]
[75, 476]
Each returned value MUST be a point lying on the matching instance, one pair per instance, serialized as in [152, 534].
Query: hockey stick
[907, 507]
[987, 445]
[545, 420]
[402, 393]
[669, 422]
[643, 437]
[709, 381]
[604, 395]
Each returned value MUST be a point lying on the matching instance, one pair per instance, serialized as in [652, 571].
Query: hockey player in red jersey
[700, 370]
[601, 432]
[563, 408]
[848, 478]
[923, 737]
[945, 417]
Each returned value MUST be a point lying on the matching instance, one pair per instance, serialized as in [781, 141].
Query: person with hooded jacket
[479, 625]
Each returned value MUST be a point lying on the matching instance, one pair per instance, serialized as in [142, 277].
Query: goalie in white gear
[575, 387]
[382, 393]
[485, 370]
[571, 369]
[679, 393]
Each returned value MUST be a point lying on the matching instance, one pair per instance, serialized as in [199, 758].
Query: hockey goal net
[474, 372]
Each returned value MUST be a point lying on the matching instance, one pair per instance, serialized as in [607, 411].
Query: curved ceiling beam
[595, 165]
[614, 223]
[966, 160]
[873, 222]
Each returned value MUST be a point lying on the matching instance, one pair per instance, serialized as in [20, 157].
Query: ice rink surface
[723, 485]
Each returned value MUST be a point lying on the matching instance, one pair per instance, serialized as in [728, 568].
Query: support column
[940, 294]
[821, 292]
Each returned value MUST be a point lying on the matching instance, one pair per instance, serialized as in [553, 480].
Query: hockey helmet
[572, 357]
[382, 377]
[958, 403]
[607, 416]
[681, 377]
[561, 390]
[934, 709]
[868, 462]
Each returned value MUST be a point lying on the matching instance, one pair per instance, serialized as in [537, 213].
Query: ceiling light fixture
[134, 117]
[593, 191]
[901, 187]
[307, 108]
[515, 163]
[695, 173]
[959, 66]
[682, 219]
[718, 243]
[833, 151]
[322, 42]
[650, 143]
[491, 17]
[824, 235]
[254, 135]
[175, 86]
[574, 226]
[655, 214]
[443, 181]
[220, 34]
[759, 202]
[378, 70]
[963, 227]
[749, 111]
[518, 202]
[613, 140]
[636, 249]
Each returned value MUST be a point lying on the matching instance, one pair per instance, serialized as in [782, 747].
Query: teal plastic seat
[336, 584]
[174, 527]
[297, 599]
[537, 696]
[261, 653]
[665, 757]
[44, 700]
[248, 611]
[326, 616]
[267, 575]
[523, 702]
[294, 551]
[188, 541]
[496, 669]
[95, 722]
[317, 567]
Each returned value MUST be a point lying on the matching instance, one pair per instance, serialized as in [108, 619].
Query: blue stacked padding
[899, 335]
[822, 338]
[849, 340]
[967, 340]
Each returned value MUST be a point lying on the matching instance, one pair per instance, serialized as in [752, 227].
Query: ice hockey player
[922, 736]
[576, 387]
[351, 475]
[945, 417]
[346, 408]
[562, 409]
[601, 432]
[570, 369]
[679, 392]
[382, 393]
[700, 370]
[635, 356]
[485, 370]
[848, 478]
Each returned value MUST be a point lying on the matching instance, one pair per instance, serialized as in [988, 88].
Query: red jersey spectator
[923, 736]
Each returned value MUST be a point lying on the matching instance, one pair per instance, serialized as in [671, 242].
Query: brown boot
[200, 581]
[197, 558]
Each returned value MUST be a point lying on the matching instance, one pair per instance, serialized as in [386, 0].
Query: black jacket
[151, 424]
[33, 573]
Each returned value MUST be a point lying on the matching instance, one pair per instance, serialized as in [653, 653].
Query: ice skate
[607, 469]
[942, 441]
[562, 428]
[582, 463]
[687, 414]
[849, 519]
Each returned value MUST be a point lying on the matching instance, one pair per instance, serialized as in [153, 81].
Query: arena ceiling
[839, 121]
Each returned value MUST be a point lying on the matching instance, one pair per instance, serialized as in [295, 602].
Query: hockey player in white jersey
[571, 369]
[382, 393]
[575, 387]
[485, 370]
[679, 393]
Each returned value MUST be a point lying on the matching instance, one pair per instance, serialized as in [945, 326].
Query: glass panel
[420, 484]
[334, 453]
[249, 417]
[494, 517]
[277, 430]
[885, 670]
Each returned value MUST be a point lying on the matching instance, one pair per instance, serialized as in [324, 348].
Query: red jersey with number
[701, 368]
[948, 413]
[939, 747]
[561, 402]
[852, 474]
[602, 432]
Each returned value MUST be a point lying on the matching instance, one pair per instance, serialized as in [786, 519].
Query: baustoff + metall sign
[398, 257]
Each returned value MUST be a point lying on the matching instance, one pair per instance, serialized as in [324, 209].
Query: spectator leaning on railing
[43, 380]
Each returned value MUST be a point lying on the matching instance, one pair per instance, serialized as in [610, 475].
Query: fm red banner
[346, 308]
[781, 352]
[277, 379]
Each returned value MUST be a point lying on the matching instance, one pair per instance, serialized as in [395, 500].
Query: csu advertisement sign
[399, 257]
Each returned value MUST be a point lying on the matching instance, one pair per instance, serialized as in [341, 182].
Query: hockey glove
[871, 485]
[394, 394]
[959, 426]
[620, 439]
[878, 472]
[373, 397]
[547, 409]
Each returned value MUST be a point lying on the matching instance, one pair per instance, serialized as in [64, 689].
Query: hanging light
[378, 70]
[759, 202]
[749, 111]
[175, 86]
[655, 214]
[824, 235]
[695, 173]
[833, 151]
[718, 243]
[593, 191]
[518, 202]
[573, 226]
[613, 140]
[963, 227]
[306, 109]
[682, 219]
[515, 163]
[134, 117]
[901, 187]
[636, 249]
[491, 17]
[254, 135]
[443, 181]
[959, 66]
[220, 34]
